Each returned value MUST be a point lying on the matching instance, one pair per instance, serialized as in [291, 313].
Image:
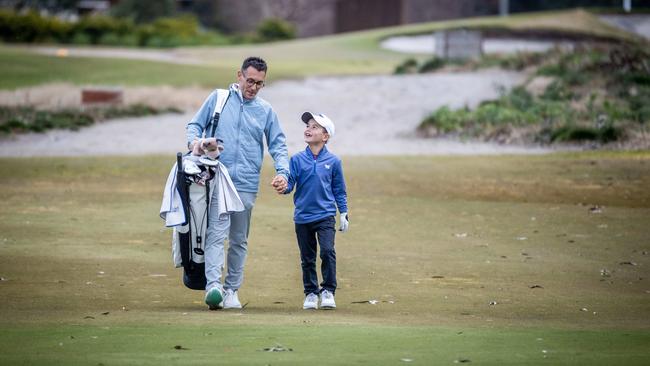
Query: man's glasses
[251, 82]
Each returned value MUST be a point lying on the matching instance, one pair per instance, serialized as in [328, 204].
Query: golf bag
[190, 220]
[191, 237]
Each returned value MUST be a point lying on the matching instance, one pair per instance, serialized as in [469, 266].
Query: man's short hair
[257, 63]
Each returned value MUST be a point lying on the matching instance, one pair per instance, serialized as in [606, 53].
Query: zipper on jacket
[241, 112]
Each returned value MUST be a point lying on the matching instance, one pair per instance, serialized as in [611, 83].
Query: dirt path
[374, 115]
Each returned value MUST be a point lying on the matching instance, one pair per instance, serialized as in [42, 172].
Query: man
[245, 121]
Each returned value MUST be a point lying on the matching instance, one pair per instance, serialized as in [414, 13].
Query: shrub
[557, 91]
[95, 27]
[571, 133]
[409, 66]
[27, 119]
[273, 29]
[186, 26]
[80, 39]
[163, 32]
[431, 65]
[444, 120]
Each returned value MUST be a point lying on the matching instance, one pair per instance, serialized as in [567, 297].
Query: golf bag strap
[220, 103]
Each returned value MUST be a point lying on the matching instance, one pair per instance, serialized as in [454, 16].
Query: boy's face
[315, 133]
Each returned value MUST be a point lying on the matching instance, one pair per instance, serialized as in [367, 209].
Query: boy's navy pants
[307, 235]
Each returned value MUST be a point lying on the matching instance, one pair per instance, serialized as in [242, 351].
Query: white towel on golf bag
[171, 209]
[228, 201]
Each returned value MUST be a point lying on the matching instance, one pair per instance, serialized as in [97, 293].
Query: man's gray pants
[235, 228]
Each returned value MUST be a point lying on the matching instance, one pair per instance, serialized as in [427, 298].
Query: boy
[320, 188]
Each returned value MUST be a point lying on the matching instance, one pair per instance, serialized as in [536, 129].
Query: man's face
[251, 81]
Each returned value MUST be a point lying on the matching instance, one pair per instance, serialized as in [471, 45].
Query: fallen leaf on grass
[277, 348]
[463, 360]
[628, 263]
[437, 276]
[279, 302]
[460, 235]
[371, 302]
[106, 313]
[179, 347]
[536, 286]
[595, 209]
[406, 359]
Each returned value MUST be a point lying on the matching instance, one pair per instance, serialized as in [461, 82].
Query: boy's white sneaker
[231, 300]
[327, 300]
[311, 302]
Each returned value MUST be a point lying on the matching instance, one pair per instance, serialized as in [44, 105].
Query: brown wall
[417, 11]
[321, 17]
[354, 15]
[311, 17]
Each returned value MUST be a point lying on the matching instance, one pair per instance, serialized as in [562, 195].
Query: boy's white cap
[322, 120]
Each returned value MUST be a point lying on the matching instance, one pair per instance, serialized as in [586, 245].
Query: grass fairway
[19, 68]
[558, 244]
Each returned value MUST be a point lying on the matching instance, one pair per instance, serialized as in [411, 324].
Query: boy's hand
[279, 183]
[344, 222]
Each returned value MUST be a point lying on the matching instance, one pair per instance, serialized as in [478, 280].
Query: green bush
[431, 65]
[445, 120]
[110, 39]
[186, 26]
[27, 119]
[23, 28]
[571, 133]
[95, 27]
[273, 29]
[557, 91]
[163, 32]
[409, 66]
[80, 39]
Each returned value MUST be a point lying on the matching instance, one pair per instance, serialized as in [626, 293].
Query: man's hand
[279, 183]
[195, 146]
[344, 222]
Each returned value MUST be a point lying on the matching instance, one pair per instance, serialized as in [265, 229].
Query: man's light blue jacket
[243, 126]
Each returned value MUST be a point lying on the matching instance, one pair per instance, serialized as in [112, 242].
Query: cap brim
[307, 116]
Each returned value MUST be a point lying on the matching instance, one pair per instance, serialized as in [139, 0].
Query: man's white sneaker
[327, 300]
[311, 302]
[231, 300]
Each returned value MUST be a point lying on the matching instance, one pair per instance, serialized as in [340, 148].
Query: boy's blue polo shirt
[319, 183]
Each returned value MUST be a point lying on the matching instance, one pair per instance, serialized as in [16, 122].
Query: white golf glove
[344, 222]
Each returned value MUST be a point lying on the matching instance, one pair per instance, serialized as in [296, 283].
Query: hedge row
[104, 30]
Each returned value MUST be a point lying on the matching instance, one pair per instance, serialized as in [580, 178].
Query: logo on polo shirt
[327, 166]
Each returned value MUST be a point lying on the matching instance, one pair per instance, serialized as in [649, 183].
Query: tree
[144, 11]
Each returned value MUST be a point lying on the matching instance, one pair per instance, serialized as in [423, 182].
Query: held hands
[279, 183]
[344, 222]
